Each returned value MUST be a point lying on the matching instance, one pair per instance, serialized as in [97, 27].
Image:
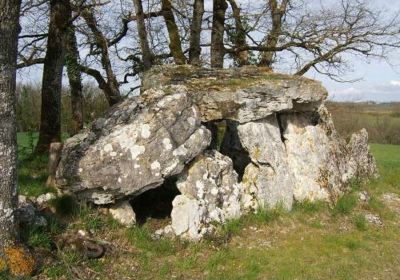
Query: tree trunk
[241, 57]
[195, 32]
[277, 13]
[147, 56]
[174, 38]
[217, 33]
[113, 95]
[75, 81]
[50, 121]
[9, 29]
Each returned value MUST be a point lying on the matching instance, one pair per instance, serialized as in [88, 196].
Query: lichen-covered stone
[123, 213]
[361, 162]
[19, 261]
[139, 144]
[278, 133]
[210, 194]
[267, 180]
[240, 94]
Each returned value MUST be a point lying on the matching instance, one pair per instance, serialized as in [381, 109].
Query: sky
[376, 80]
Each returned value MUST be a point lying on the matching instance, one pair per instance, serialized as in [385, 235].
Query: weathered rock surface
[240, 94]
[267, 180]
[134, 148]
[28, 214]
[316, 158]
[361, 161]
[278, 133]
[210, 193]
[123, 213]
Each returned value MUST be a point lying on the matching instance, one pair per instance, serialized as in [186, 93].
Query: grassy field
[381, 120]
[313, 241]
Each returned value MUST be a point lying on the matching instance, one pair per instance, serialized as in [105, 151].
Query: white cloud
[385, 92]
[395, 83]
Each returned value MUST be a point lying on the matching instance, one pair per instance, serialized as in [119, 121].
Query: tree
[50, 123]
[110, 86]
[217, 33]
[9, 29]
[195, 32]
[295, 36]
[291, 36]
[175, 44]
[147, 55]
[75, 80]
[278, 12]
[239, 39]
[9, 13]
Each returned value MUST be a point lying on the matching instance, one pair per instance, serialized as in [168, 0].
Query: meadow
[314, 241]
[381, 120]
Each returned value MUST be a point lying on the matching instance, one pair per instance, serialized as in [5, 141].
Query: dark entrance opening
[232, 147]
[155, 203]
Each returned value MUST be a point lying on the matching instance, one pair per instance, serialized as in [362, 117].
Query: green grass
[311, 242]
[140, 237]
[345, 204]
[360, 222]
[309, 207]
[387, 156]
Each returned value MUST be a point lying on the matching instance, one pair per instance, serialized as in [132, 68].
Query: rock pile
[236, 140]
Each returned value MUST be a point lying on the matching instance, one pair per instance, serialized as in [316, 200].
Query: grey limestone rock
[123, 213]
[139, 144]
[210, 193]
[280, 145]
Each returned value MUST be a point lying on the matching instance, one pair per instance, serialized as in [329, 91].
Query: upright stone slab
[210, 194]
[267, 180]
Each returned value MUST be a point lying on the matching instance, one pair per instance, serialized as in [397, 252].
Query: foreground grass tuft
[141, 238]
[360, 222]
[345, 204]
[309, 207]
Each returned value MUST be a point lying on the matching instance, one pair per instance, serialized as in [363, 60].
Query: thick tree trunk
[75, 81]
[9, 29]
[50, 121]
[174, 38]
[112, 94]
[217, 33]
[147, 55]
[195, 32]
[277, 13]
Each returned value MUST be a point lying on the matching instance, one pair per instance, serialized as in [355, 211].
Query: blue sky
[379, 82]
